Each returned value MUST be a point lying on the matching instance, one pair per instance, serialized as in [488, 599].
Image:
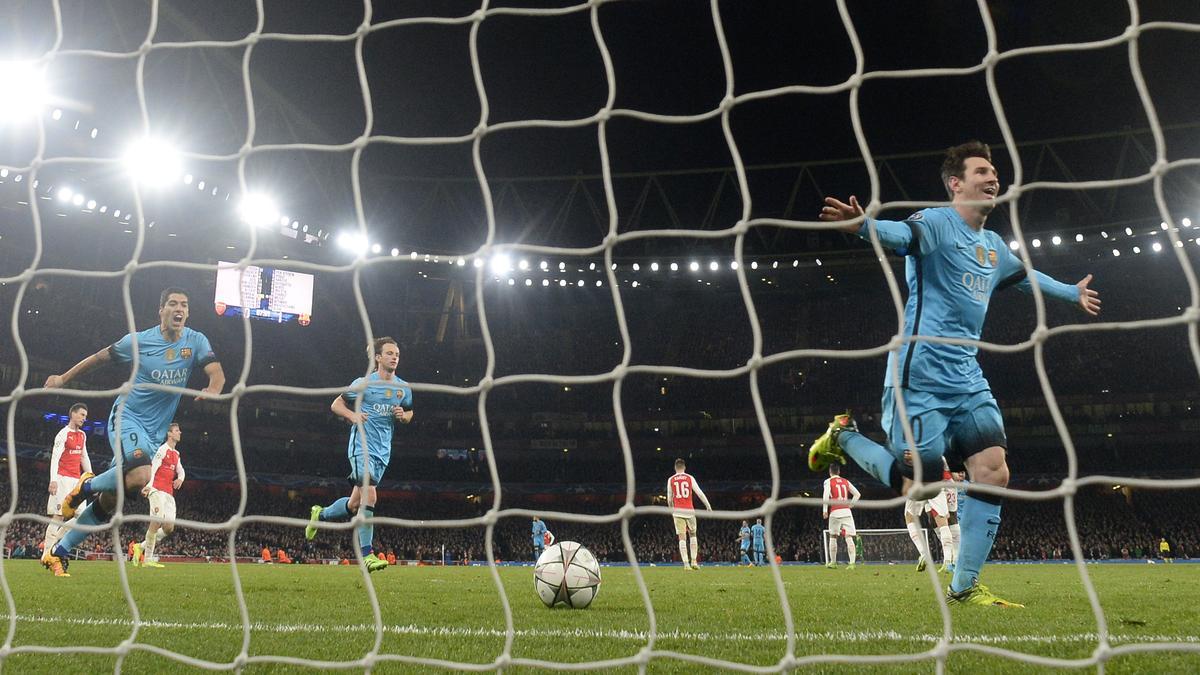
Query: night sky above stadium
[666, 60]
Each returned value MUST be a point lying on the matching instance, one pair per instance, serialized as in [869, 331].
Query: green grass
[455, 614]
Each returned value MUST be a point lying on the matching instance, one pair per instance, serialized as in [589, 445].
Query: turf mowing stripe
[641, 636]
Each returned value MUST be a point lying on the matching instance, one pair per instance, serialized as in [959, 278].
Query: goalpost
[650, 654]
[879, 546]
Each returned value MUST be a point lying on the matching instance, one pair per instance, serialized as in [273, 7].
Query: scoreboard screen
[264, 293]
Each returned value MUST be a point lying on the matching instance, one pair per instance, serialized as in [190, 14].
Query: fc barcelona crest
[992, 257]
[170, 354]
[980, 255]
[185, 353]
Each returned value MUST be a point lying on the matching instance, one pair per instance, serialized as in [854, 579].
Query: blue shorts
[954, 426]
[378, 466]
[136, 445]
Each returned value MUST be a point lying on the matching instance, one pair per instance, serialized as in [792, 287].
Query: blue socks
[336, 510]
[91, 514]
[871, 456]
[745, 558]
[366, 531]
[105, 482]
[979, 520]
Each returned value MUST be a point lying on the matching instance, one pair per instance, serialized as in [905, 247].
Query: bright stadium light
[1014, 245]
[579, 283]
[529, 282]
[1079, 237]
[512, 282]
[694, 266]
[1116, 253]
[258, 210]
[77, 200]
[1037, 243]
[754, 265]
[1056, 240]
[592, 267]
[501, 264]
[1156, 247]
[151, 161]
[65, 194]
[523, 265]
[714, 266]
[461, 261]
[1129, 232]
[562, 267]
[1137, 249]
[353, 241]
[395, 252]
[599, 283]
[674, 267]
[91, 204]
[478, 262]
[545, 282]
[653, 267]
[1186, 222]
[562, 283]
[23, 91]
[543, 266]
[1163, 225]
[376, 248]
[636, 267]
[733, 265]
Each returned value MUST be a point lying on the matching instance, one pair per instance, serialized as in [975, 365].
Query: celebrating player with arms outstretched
[166, 353]
[68, 461]
[167, 471]
[386, 400]
[680, 489]
[953, 266]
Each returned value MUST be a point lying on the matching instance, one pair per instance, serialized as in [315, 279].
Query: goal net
[603, 65]
[891, 546]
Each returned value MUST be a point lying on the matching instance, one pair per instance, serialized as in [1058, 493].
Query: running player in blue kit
[386, 399]
[137, 425]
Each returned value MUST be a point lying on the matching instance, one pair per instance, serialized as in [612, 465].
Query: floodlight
[353, 241]
[713, 266]
[562, 282]
[694, 266]
[1037, 243]
[636, 267]
[1156, 246]
[754, 265]
[376, 248]
[77, 200]
[1056, 240]
[733, 265]
[523, 265]
[22, 91]
[543, 265]
[653, 267]
[152, 161]
[1014, 245]
[65, 194]
[91, 204]
[395, 252]
[1079, 237]
[501, 264]
[674, 267]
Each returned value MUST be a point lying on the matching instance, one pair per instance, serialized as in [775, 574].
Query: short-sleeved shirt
[159, 362]
[758, 533]
[379, 397]
[539, 532]
[952, 271]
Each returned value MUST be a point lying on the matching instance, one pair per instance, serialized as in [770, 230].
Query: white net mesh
[649, 652]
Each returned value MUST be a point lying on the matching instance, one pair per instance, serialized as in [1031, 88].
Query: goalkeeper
[953, 266]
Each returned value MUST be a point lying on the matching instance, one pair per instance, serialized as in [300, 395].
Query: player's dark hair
[78, 406]
[835, 469]
[172, 425]
[955, 162]
[168, 292]
[680, 464]
[378, 344]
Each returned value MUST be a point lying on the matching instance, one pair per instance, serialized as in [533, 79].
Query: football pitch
[323, 613]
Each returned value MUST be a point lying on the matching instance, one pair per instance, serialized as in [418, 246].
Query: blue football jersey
[159, 362]
[952, 271]
[539, 532]
[379, 398]
[758, 532]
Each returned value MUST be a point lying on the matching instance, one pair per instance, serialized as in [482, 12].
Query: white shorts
[937, 505]
[162, 505]
[951, 499]
[54, 502]
[685, 524]
[842, 522]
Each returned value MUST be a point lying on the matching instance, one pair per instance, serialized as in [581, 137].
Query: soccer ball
[567, 573]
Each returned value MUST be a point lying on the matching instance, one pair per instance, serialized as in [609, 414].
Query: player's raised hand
[1089, 300]
[54, 382]
[836, 209]
[403, 416]
[359, 417]
[209, 391]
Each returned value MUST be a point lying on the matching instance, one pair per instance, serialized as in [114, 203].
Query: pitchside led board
[264, 293]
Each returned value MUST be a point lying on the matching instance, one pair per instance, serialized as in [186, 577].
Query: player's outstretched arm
[91, 362]
[836, 210]
[1089, 299]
